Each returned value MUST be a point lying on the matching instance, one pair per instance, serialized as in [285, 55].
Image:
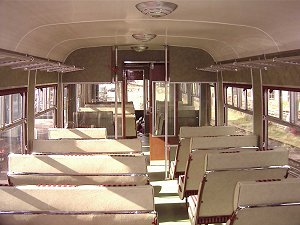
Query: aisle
[171, 210]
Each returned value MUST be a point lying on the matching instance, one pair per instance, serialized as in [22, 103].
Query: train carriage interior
[150, 112]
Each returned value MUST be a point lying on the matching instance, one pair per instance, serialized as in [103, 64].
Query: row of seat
[102, 115]
[214, 166]
[64, 182]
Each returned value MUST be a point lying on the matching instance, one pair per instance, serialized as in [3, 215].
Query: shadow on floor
[171, 212]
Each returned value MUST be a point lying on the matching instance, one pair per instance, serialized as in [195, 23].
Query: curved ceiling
[226, 29]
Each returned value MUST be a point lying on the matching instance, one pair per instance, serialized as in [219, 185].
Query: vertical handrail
[166, 112]
[116, 93]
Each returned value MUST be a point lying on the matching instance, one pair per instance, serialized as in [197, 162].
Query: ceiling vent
[144, 37]
[156, 8]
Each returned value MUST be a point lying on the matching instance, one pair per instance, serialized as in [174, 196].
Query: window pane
[2, 109]
[42, 123]
[298, 107]
[135, 93]
[235, 96]
[285, 105]
[243, 98]
[240, 120]
[273, 103]
[280, 135]
[10, 142]
[7, 109]
[249, 99]
[17, 107]
[229, 95]
[159, 109]
[213, 108]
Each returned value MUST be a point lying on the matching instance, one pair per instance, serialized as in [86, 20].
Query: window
[45, 98]
[285, 102]
[229, 96]
[241, 120]
[274, 103]
[283, 127]
[45, 103]
[135, 93]
[159, 108]
[239, 108]
[12, 123]
[213, 106]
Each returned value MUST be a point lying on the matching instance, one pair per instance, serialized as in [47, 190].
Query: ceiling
[226, 29]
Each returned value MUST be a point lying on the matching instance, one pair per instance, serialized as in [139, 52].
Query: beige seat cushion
[195, 169]
[264, 199]
[223, 141]
[224, 170]
[77, 133]
[187, 132]
[188, 144]
[79, 169]
[87, 146]
[101, 205]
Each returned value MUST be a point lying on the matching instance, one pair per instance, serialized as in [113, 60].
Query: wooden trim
[13, 91]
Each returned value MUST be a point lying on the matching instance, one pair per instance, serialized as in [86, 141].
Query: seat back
[224, 170]
[77, 169]
[205, 142]
[267, 202]
[77, 133]
[224, 142]
[97, 119]
[87, 146]
[74, 205]
[189, 184]
[128, 109]
[188, 132]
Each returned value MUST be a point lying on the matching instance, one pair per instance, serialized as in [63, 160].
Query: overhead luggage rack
[16, 60]
[252, 64]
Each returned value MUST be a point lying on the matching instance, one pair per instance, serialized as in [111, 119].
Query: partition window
[159, 89]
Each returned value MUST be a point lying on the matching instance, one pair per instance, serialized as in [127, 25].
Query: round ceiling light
[139, 48]
[156, 8]
[144, 37]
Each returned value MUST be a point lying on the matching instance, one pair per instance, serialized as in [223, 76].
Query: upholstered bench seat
[77, 133]
[92, 205]
[87, 146]
[77, 169]
[221, 173]
[267, 202]
[184, 146]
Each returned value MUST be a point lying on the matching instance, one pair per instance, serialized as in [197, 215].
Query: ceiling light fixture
[144, 37]
[156, 8]
[139, 48]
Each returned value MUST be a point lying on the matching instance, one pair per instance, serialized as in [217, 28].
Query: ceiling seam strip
[185, 46]
[226, 44]
[211, 39]
[73, 39]
[118, 20]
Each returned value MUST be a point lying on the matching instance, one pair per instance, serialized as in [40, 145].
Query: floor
[171, 210]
